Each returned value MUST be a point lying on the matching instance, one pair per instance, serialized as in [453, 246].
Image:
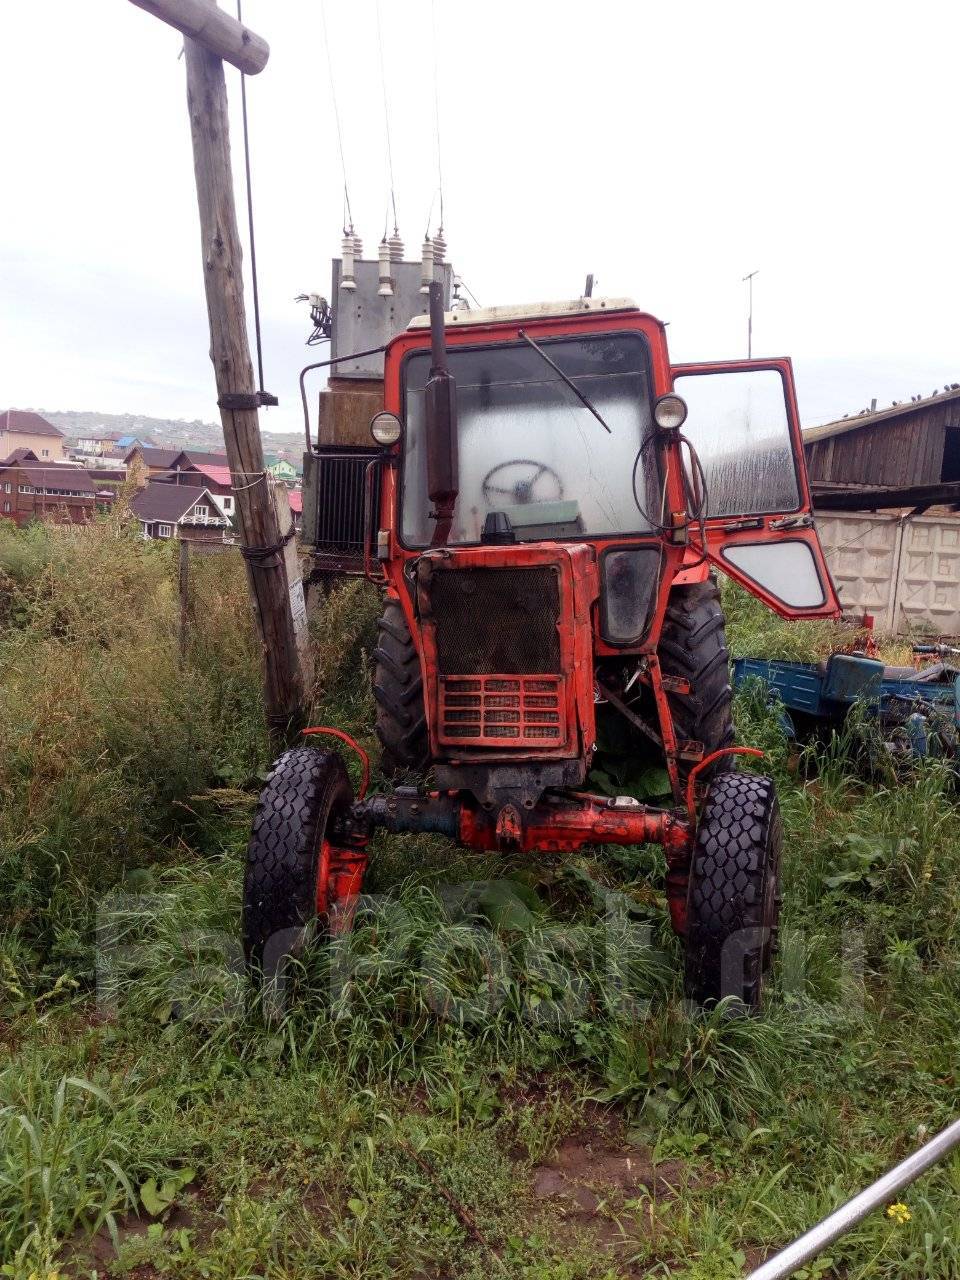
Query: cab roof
[527, 311]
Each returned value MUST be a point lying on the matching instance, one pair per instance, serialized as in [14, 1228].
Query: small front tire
[733, 898]
[288, 856]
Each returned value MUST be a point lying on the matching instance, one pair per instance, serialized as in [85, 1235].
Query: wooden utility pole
[214, 29]
[213, 36]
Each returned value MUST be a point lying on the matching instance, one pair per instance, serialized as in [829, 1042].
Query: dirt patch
[599, 1189]
[86, 1253]
[586, 1174]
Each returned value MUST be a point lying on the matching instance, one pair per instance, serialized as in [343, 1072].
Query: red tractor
[553, 498]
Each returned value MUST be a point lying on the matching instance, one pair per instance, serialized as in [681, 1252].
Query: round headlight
[386, 428]
[670, 412]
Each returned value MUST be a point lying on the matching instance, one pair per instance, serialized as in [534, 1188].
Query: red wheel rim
[323, 878]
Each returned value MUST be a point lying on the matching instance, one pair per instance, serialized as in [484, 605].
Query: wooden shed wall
[896, 451]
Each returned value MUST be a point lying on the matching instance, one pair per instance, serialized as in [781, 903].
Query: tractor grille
[500, 681]
[340, 484]
[508, 711]
[496, 621]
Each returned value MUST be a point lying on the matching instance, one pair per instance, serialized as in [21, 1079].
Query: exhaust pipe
[440, 410]
[844, 1219]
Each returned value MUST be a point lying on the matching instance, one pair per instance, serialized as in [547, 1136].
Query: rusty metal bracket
[802, 521]
[675, 684]
[246, 400]
[629, 714]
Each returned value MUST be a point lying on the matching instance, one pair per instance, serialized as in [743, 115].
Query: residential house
[21, 429]
[164, 464]
[219, 483]
[199, 457]
[112, 445]
[147, 463]
[181, 511]
[281, 469]
[217, 480]
[33, 489]
[98, 443]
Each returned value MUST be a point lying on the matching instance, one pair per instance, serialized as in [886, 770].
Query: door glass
[738, 424]
[786, 570]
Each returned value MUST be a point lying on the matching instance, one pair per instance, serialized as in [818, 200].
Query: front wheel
[733, 900]
[289, 879]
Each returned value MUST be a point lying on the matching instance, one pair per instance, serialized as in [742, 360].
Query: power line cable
[436, 106]
[386, 124]
[467, 290]
[253, 243]
[348, 218]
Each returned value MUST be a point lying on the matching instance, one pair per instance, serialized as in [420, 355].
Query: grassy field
[495, 1073]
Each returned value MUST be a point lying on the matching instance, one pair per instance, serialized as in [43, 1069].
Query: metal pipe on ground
[844, 1219]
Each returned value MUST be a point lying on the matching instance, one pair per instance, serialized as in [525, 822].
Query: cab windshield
[531, 454]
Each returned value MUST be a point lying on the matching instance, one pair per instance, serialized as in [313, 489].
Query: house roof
[19, 455]
[216, 475]
[170, 502]
[154, 457]
[48, 475]
[867, 419]
[28, 424]
[200, 459]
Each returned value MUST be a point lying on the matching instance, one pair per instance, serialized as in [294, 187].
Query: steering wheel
[521, 491]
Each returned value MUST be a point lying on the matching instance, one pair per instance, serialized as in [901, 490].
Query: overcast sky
[668, 148]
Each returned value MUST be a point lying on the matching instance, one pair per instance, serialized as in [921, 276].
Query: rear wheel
[693, 646]
[288, 871]
[733, 904]
[401, 724]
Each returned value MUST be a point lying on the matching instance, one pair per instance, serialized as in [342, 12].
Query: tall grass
[476, 1002]
[104, 737]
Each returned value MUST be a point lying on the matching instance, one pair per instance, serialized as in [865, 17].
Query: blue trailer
[918, 712]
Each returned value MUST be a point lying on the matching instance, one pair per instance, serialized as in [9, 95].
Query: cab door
[743, 423]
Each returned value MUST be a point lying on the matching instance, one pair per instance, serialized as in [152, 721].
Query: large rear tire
[693, 646]
[401, 723]
[733, 903]
[305, 794]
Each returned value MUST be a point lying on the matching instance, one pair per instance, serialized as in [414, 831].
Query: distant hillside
[167, 433]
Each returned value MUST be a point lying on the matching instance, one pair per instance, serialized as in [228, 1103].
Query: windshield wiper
[569, 381]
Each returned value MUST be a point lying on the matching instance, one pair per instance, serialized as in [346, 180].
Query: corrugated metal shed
[908, 444]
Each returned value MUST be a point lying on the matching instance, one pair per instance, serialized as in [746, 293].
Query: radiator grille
[493, 621]
[501, 711]
[340, 500]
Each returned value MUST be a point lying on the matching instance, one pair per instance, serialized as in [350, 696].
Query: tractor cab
[532, 530]
[545, 510]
